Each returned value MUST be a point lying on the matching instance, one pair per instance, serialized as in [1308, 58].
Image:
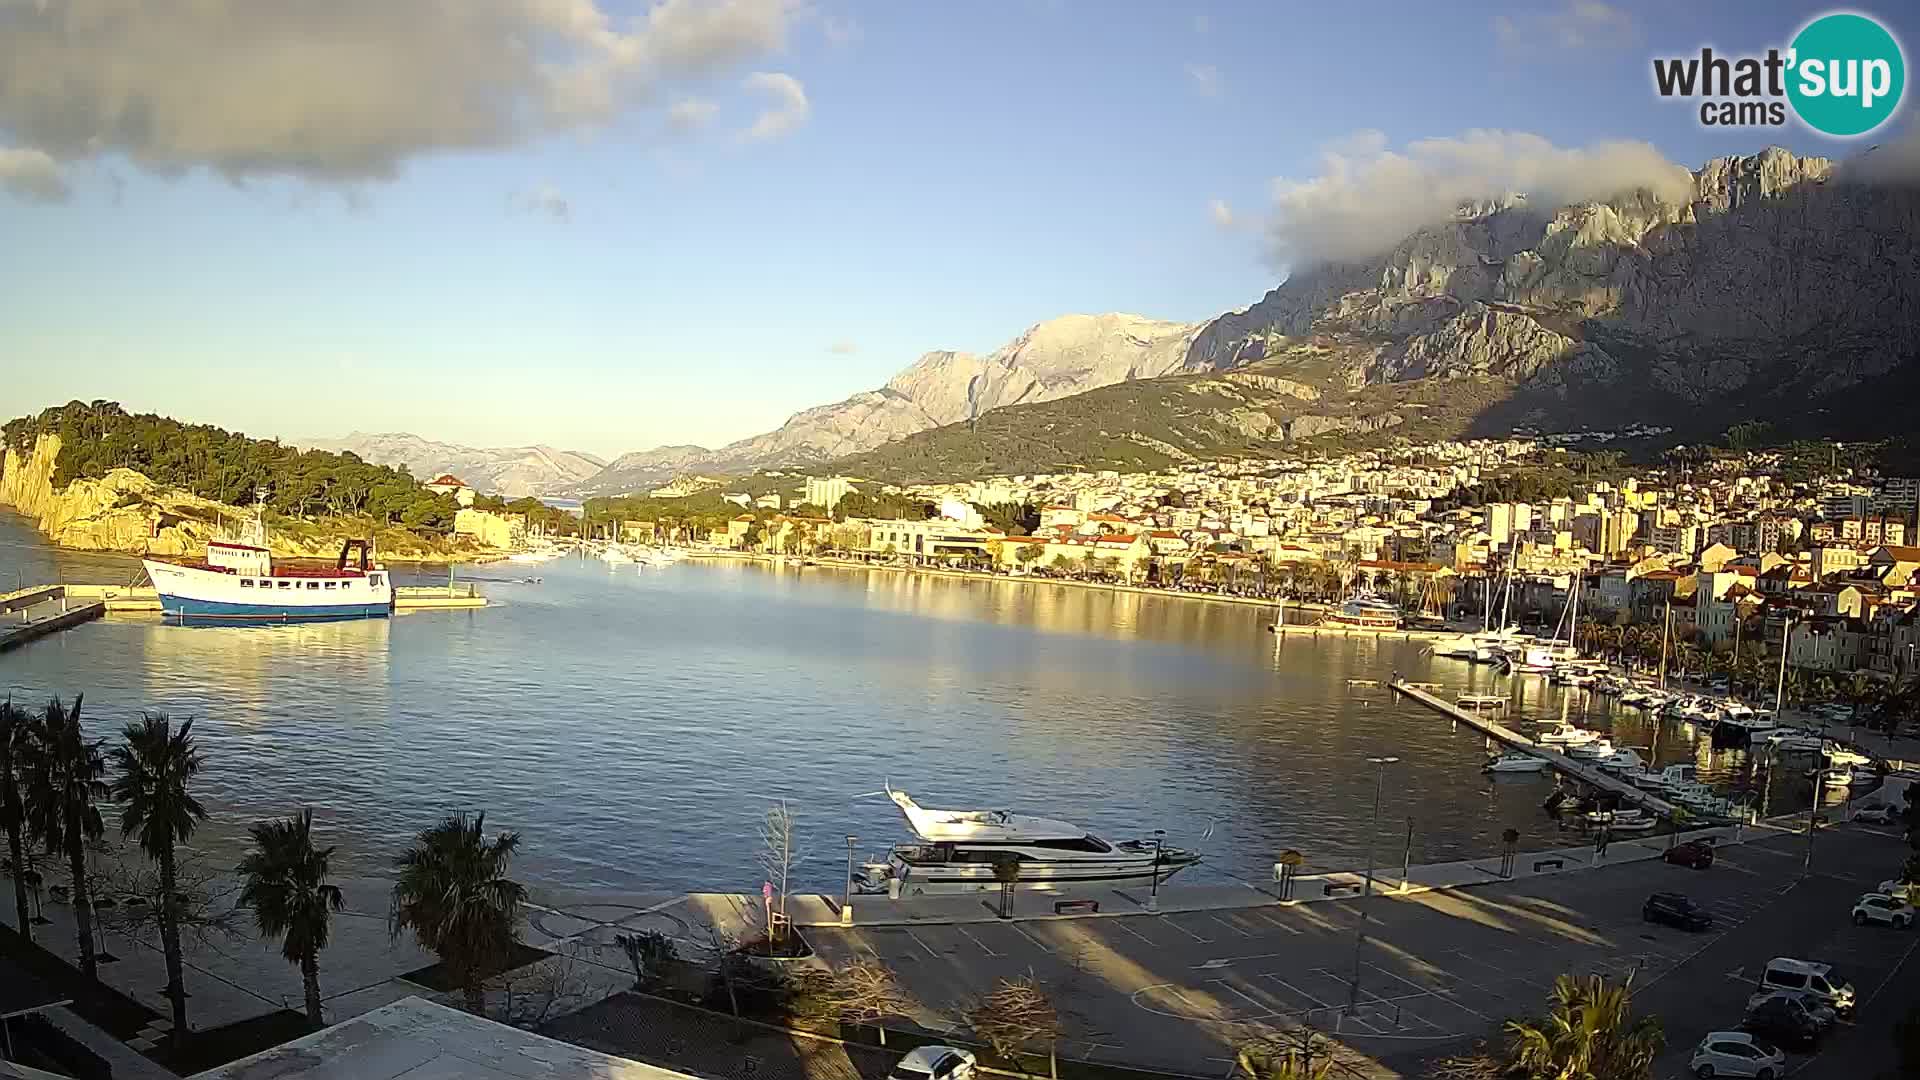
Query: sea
[634, 724]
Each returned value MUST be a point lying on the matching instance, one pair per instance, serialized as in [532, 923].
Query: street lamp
[1359, 931]
[1153, 893]
[846, 909]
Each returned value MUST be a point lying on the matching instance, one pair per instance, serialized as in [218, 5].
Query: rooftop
[419, 1040]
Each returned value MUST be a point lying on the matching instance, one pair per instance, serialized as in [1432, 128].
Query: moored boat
[238, 580]
[1516, 763]
[1365, 611]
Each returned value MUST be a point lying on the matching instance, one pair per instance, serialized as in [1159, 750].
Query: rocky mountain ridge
[511, 471]
[1057, 358]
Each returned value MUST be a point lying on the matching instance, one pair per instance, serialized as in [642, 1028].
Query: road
[1435, 971]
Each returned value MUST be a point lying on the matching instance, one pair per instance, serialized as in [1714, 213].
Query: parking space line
[1273, 919]
[922, 944]
[1043, 945]
[1230, 926]
[1122, 924]
[1371, 997]
[1502, 972]
[984, 947]
[1266, 1009]
[1168, 921]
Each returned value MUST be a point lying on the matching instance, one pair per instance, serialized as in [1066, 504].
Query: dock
[43, 610]
[1493, 729]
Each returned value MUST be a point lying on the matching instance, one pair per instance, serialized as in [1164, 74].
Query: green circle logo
[1847, 74]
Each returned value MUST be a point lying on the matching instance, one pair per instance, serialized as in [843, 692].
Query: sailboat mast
[1666, 626]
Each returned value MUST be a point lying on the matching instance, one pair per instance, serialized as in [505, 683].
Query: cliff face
[1778, 272]
[126, 511]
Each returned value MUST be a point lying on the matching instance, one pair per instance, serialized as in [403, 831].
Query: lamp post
[1153, 891]
[846, 909]
[1359, 932]
[1813, 806]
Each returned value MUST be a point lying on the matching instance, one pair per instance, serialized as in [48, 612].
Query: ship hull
[189, 608]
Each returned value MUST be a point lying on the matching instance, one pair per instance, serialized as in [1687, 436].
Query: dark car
[1694, 854]
[1675, 910]
[1783, 1022]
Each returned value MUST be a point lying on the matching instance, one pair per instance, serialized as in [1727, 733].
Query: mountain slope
[1783, 288]
[512, 471]
[1054, 359]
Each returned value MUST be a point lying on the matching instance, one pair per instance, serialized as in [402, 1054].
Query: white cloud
[1576, 24]
[1221, 213]
[348, 89]
[1206, 80]
[843, 348]
[689, 115]
[32, 175]
[1367, 196]
[545, 201]
[788, 111]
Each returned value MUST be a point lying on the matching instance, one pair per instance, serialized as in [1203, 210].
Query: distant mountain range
[513, 471]
[1773, 288]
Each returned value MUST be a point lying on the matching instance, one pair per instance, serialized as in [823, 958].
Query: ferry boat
[238, 580]
[960, 848]
[1365, 611]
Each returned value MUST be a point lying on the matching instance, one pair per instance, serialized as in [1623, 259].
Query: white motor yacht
[1840, 757]
[1566, 736]
[1622, 760]
[1591, 750]
[960, 849]
[1516, 763]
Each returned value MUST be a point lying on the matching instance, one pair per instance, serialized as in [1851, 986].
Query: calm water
[633, 724]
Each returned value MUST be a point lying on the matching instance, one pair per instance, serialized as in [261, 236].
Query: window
[313, 584]
[284, 584]
[246, 583]
[1787, 978]
[329, 584]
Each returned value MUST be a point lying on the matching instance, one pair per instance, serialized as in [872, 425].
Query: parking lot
[1401, 980]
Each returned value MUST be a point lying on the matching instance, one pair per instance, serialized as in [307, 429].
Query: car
[935, 1063]
[1675, 910]
[1783, 1022]
[1816, 980]
[1820, 1013]
[1876, 815]
[1693, 854]
[1876, 907]
[1736, 1053]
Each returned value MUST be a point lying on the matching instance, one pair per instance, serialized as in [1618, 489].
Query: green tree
[454, 894]
[63, 791]
[155, 763]
[17, 739]
[285, 883]
[1588, 1032]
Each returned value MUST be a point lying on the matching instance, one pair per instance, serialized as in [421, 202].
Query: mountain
[1054, 359]
[512, 471]
[1775, 288]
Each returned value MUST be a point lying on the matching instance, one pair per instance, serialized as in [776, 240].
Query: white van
[1818, 981]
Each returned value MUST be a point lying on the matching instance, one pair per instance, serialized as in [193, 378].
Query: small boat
[960, 849]
[1838, 755]
[1481, 701]
[1566, 736]
[1591, 750]
[1626, 819]
[1365, 611]
[1622, 760]
[1516, 763]
[1832, 778]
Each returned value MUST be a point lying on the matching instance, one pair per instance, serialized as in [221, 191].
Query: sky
[608, 225]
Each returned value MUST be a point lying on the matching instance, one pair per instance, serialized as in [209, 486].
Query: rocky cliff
[1054, 359]
[126, 511]
[512, 471]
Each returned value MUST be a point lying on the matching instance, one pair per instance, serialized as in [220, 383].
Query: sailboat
[1489, 645]
[1544, 657]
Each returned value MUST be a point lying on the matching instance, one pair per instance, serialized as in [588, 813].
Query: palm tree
[63, 786]
[453, 893]
[1588, 1032]
[17, 736]
[155, 762]
[286, 886]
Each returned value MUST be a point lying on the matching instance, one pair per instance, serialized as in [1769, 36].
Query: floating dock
[1493, 729]
[43, 609]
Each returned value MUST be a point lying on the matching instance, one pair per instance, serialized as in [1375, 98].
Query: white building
[827, 493]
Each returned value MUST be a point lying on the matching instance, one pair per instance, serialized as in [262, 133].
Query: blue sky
[608, 281]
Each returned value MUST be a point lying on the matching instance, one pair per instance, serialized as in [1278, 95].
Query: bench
[1548, 864]
[1340, 888]
[1076, 907]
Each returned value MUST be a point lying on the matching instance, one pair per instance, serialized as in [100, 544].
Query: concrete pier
[1579, 770]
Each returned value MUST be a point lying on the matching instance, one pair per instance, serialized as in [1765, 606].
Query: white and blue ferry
[238, 580]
